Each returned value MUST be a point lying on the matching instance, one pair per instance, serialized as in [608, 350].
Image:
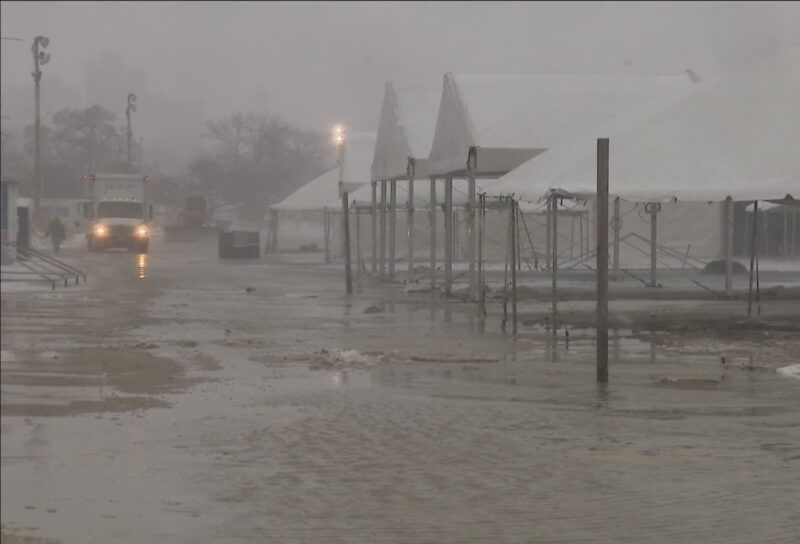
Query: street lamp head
[131, 97]
[339, 135]
[43, 41]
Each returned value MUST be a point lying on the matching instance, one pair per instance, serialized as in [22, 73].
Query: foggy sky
[319, 63]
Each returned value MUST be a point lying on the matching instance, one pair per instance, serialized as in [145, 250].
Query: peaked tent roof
[512, 118]
[318, 193]
[405, 131]
[734, 135]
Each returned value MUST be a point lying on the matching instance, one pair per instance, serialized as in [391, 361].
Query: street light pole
[339, 138]
[40, 58]
[128, 110]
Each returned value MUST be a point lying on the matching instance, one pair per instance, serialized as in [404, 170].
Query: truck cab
[119, 216]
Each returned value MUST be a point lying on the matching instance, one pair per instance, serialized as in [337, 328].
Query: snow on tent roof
[512, 118]
[405, 131]
[734, 135]
[322, 190]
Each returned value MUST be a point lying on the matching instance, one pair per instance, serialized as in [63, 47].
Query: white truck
[118, 213]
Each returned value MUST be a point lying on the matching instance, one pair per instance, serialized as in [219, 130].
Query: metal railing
[45, 267]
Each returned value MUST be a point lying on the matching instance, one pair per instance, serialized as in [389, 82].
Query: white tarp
[511, 119]
[323, 190]
[735, 135]
[405, 131]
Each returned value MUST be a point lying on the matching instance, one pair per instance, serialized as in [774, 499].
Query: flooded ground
[179, 398]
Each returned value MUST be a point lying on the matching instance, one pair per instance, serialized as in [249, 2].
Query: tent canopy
[321, 191]
[510, 119]
[733, 136]
[405, 132]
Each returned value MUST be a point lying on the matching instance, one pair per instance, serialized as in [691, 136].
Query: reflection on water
[142, 266]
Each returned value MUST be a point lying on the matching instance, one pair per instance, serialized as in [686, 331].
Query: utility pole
[40, 58]
[131, 108]
[339, 139]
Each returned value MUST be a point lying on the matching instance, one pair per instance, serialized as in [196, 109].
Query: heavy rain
[401, 272]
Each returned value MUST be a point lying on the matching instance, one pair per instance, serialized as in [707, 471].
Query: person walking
[57, 233]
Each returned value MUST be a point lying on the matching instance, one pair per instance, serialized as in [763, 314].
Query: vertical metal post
[572, 237]
[602, 258]
[326, 235]
[728, 241]
[617, 228]
[554, 247]
[548, 250]
[39, 180]
[448, 233]
[383, 229]
[471, 239]
[348, 272]
[653, 208]
[374, 228]
[410, 217]
[513, 265]
[785, 230]
[433, 232]
[753, 245]
[479, 234]
[392, 226]
[358, 247]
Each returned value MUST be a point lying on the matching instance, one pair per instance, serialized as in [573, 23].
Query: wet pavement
[179, 398]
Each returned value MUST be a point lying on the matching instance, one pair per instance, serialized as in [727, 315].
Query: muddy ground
[214, 401]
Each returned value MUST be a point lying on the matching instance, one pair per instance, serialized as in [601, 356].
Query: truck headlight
[142, 231]
[100, 231]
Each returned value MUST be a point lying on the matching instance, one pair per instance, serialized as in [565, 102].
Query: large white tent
[509, 119]
[405, 132]
[735, 135]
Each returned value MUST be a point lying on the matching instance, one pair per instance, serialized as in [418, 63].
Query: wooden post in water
[602, 258]
[753, 245]
[479, 233]
[653, 208]
[326, 230]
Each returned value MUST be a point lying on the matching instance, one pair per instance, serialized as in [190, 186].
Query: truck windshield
[125, 210]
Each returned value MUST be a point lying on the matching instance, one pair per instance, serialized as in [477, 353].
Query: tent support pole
[728, 247]
[479, 233]
[433, 232]
[326, 228]
[602, 257]
[554, 269]
[383, 230]
[348, 271]
[471, 238]
[448, 233]
[513, 260]
[374, 228]
[617, 225]
[392, 226]
[653, 208]
[359, 287]
[753, 245]
[548, 250]
[410, 218]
